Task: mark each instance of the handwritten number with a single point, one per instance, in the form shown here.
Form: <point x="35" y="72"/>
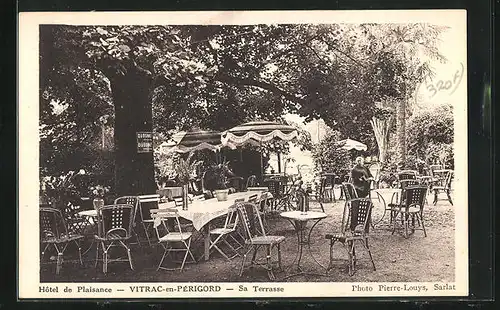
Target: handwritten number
<point x="432" y="89"/>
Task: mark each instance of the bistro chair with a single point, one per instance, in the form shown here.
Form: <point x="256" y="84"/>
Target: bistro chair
<point x="54" y="232"/>
<point x="407" y="175"/>
<point x="228" y="230"/>
<point x="134" y="201"/>
<point x="408" y="182"/>
<point x="433" y="168"/>
<point x="251" y="181"/>
<point x="444" y="188"/>
<point x="411" y="207"/>
<point x="175" y="240"/>
<point x="146" y="203"/>
<point x="114" y="226"/>
<point x="354" y="228"/>
<point x="349" y="191"/>
<point x="256" y="237"/>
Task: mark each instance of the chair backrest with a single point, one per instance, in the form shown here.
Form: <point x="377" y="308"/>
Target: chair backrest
<point x="433" y="168"/>
<point x="275" y="187"/>
<point x="52" y="224"/>
<point x="413" y="196"/>
<point x="239" y="200"/>
<point x="349" y="191"/>
<point x="146" y="203"/>
<point x="357" y="215"/>
<point x="408" y="182"/>
<point x="253" y="198"/>
<point x="407" y="175"/>
<point x="252" y="223"/>
<point x="232" y="217"/>
<point x="115" y="219"/>
<point x="449" y="177"/>
<point x="251" y="181"/>
<point x="159" y="215"/>
<point x="178" y="201"/>
<point x="129" y="200"/>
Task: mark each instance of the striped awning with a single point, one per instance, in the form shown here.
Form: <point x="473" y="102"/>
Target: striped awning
<point x="349" y="144"/>
<point x="260" y="131"/>
<point x="197" y="140"/>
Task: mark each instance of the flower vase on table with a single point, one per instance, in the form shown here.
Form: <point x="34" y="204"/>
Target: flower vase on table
<point x="98" y="202"/>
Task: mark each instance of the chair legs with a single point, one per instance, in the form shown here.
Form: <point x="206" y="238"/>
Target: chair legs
<point x="448" y="196"/>
<point x="269" y="262"/>
<point x="60" y="249"/>
<point x="106" y="257"/>
<point x="168" y="249"/>
<point x="350" y="247"/>
<point x="416" y="218"/>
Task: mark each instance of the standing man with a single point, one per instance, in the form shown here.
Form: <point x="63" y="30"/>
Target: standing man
<point x="361" y="178"/>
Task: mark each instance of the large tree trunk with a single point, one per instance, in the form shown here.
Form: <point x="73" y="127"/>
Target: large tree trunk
<point x="381" y="129"/>
<point x="401" y="131"/>
<point x="134" y="172"/>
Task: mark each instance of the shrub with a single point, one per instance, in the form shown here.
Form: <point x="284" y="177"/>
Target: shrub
<point x="328" y="156"/>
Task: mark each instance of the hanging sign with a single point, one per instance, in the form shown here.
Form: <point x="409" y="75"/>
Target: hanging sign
<point x="144" y="142"/>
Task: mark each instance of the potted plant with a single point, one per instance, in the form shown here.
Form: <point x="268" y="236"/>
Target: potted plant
<point x="186" y="170"/>
<point x="220" y="172"/>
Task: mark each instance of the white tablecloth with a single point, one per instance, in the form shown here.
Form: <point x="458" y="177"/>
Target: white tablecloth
<point x="201" y="212"/>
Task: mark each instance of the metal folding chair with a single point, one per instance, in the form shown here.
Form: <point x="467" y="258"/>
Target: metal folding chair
<point x="146" y="203"/>
<point x="222" y="234"/>
<point x="175" y="239"/>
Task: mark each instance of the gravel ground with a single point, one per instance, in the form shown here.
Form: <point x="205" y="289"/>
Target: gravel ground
<point x="416" y="259"/>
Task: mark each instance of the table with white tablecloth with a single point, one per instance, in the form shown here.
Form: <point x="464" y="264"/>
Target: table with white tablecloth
<point x="201" y="212"/>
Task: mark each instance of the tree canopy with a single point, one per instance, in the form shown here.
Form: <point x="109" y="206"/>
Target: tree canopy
<point x="217" y="77"/>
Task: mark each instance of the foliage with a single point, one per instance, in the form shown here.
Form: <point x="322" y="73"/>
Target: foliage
<point x="186" y="168"/>
<point x="430" y="135"/>
<point x="99" y="190"/>
<point x="220" y="76"/>
<point x="441" y="153"/>
<point x="60" y="190"/>
<point x="328" y="156"/>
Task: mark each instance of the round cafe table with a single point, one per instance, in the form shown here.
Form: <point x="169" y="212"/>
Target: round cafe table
<point x="91" y="216"/>
<point x="385" y="195"/>
<point x="299" y="221"/>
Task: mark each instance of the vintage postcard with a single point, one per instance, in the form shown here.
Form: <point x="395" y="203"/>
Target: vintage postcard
<point x="268" y="154"/>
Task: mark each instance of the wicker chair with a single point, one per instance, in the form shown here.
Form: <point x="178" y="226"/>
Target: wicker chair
<point x="174" y="239"/>
<point x="355" y="228"/>
<point x="134" y="201"/>
<point x="444" y="188"/>
<point x="114" y="224"/>
<point x="256" y="237"/>
<point x="411" y="207"/>
<point x="54" y="232"/>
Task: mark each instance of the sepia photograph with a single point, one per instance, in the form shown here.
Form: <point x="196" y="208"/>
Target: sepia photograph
<point x="243" y="154"/>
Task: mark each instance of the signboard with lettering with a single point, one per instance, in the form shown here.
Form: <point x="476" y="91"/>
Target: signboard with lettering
<point x="144" y="142"/>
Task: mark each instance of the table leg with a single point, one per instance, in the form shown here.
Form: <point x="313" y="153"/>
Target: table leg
<point x="206" y="232"/>
<point x="302" y="239"/>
